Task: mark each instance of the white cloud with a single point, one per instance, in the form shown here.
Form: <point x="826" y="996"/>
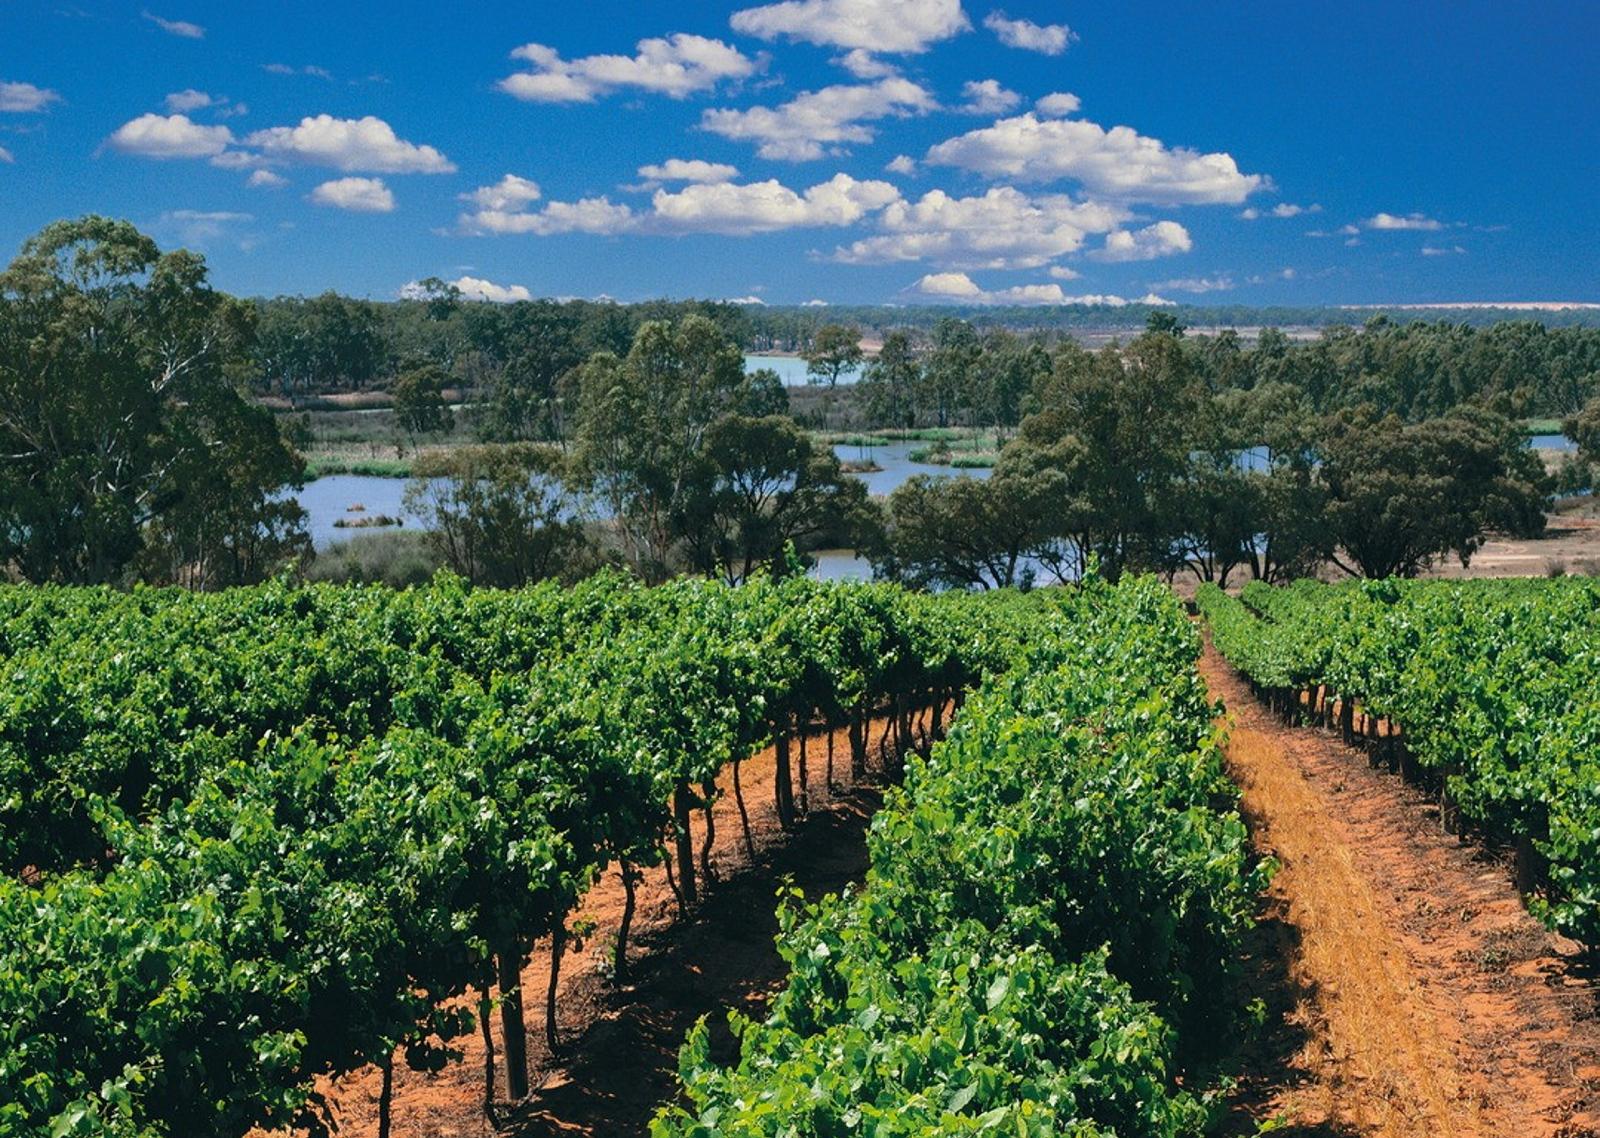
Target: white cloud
<point x="1407" y="221"/>
<point x="1119" y="163"/>
<point x="960" y="287"/>
<point x="797" y="130"/>
<point x="181" y="102"/>
<point x="1349" y="230"/>
<point x="366" y="144"/>
<point x="474" y="288"/>
<point x="1003" y="228"/>
<point x="748" y="300"/>
<point x="308" y="69"/>
<point x="901" y="164"/>
<point x="864" y="65"/>
<point x="814" y="303"/>
<point x="678" y="66"/>
<point x="597" y="216"/>
<point x="722" y="207"/>
<point x="6" y="156"/>
<point x="1221" y="283"/>
<point x="266" y="180"/>
<point x="201" y="227"/>
<point x="1062" y="273"/>
<point x="181" y="28"/>
<point x="25" y="97"/>
<point x="1048" y="39"/>
<point x="1282" y="209"/>
<point x="688" y="170"/>
<point x="1163" y="239"/>
<point x="896" y="26"/>
<point x="1058" y="105"/>
<point x="987" y="97"/>
<point x="169" y="136"/>
<point x="1438" y="251"/>
<point x="510" y="193"/>
<point x="363" y="195"/>
<point x="762" y="207"/>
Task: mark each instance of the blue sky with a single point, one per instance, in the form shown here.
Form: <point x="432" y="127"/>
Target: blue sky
<point x="860" y="151"/>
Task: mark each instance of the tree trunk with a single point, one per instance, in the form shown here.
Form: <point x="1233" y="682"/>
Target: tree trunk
<point x="485" y="1010"/>
<point x="709" y="790"/>
<point x="386" y="1097"/>
<point x="558" y="945"/>
<point x="630" y="882"/>
<point x="805" y="776"/>
<point x="783" y="787"/>
<point x="858" y="745"/>
<point x="744" y="815"/>
<point x="672" y="883"/>
<point x="685" y="842"/>
<point x="509" y="959"/>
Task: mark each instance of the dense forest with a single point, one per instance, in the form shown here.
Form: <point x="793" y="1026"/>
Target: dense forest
<point x="151" y="428"/>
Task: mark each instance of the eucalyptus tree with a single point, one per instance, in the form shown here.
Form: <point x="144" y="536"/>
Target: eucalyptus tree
<point x="125" y="446"/>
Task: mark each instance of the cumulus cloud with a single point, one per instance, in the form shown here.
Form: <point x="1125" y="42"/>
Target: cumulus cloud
<point x="1163" y="239"/>
<point x="721" y="207"/>
<point x="987" y="97"/>
<point x="747" y="300"/>
<point x="1441" y="251"/>
<point x="896" y="26"/>
<point x="473" y="288"/>
<point x="1221" y="283"/>
<point x="367" y="144"/>
<point x="1003" y="228"/>
<point x="688" y="170"/>
<point x="181" y="28"/>
<point x="266" y="180"/>
<point x="1282" y="209"/>
<point x="1405" y="221"/>
<point x="798" y="130"/>
<point x="1063" y="273"/>
<point x="1048" y="39"/>
<point x="510" y="193"/>
<point x="169" y="136"/>
<point x="901" y="164"/>
<point x="1117" y="163"/>
<point x="762" y="207"/>
<point x="1058" y="105"/>
<point x="25" y="97"/>
<point x="864" y="65"/>
<point x="362" y="195"/>
<point x="815" y="303"/>
<point x="962" y="288"/>
<point x="181" y="102"/>
<point x="6" y="156"/>
<point x="677" y="66"/>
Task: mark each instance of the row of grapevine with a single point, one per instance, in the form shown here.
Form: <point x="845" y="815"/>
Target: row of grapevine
<point x="257" y="837"/>
<point x="1046" y="935"/>
<point x="1491" y="684"/>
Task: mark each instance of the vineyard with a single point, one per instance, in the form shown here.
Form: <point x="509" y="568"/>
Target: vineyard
<point x="257" y="838"/>
<point x="1484" y="689"/>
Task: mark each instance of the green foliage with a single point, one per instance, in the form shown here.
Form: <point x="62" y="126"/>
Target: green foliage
<point x="1492" y="682"/>
<point x="1067" y="855"/>
<point x="500" y="514"/>
<point x="128" y="449"/>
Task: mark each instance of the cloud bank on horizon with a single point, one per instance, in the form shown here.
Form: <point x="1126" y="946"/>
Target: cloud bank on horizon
<point x="834" y="138"/>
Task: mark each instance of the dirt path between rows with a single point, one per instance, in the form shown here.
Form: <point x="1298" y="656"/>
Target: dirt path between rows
<point x="1409" y="990"/>
<point x="619" y="1055"/>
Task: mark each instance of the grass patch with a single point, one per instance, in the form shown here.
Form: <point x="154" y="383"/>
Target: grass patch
<point x="322" y="465"/>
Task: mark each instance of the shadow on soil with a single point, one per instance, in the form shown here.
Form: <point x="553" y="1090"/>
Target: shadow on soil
<point x="624" y="1064"/>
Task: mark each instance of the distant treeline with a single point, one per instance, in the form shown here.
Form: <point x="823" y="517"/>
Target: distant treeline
<point x="516" y="357"/>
